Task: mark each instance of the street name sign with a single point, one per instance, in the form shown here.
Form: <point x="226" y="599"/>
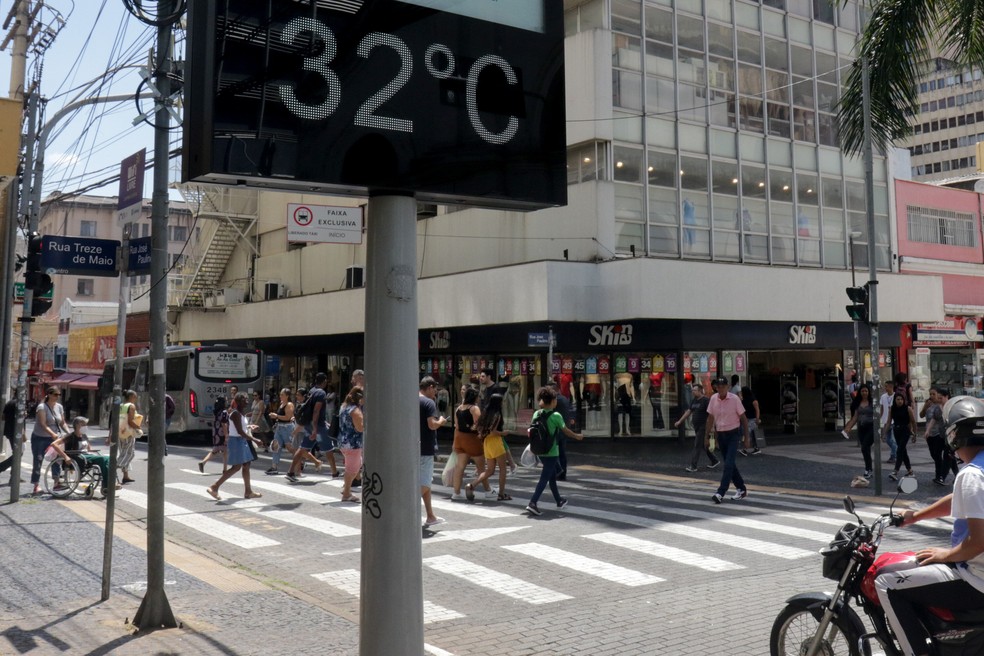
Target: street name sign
<point x="79" y="256"/>
<point x="131" y="188"/>
<point x="138" y="257"/>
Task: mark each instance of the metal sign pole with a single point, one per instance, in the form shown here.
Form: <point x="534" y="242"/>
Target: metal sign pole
<point x="392" y="579"/>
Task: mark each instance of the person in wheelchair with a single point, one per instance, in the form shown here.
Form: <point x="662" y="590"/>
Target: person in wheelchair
<point x="76" y="445"/>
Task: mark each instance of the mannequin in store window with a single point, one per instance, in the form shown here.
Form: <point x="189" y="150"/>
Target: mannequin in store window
<point x="655" y="394"/>
<point x="512" y="402"/>
<point x="591" y="391"/>
<point x="625" y="399"/>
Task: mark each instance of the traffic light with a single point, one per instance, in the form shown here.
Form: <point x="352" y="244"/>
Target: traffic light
<point x="858" y="310"/>
<point x="34" y="278"/>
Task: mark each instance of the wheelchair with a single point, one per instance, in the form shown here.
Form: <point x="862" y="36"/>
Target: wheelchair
<point x="79" y="476"/>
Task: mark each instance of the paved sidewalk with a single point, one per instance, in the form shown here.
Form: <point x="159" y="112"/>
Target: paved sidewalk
<point x="51" y="570"/>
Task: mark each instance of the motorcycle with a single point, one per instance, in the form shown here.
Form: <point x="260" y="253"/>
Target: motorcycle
<point x="825" y="624"/>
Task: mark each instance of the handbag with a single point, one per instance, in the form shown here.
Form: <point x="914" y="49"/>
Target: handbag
<point x="252" y="449"/>
<point x="447" y="475"/>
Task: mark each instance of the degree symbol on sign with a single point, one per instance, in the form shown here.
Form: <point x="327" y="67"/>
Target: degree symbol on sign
<point x="303" y="216"/>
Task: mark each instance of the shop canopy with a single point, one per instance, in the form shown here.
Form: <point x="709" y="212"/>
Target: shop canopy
<point x="85" y="382"/>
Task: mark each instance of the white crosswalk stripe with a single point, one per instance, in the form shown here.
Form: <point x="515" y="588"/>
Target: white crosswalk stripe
<point x="316" y="524"/>
<point x="203" y="523"/>
<point x="349" y="581"/>
<point x="583" y="564"/>
<point x="736" y="541"/>
<point x="667" y="552"/>
<point x="494" y="580"/>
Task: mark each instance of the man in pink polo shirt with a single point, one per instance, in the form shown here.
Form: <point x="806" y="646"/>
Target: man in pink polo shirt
<point x="726" y="418"/>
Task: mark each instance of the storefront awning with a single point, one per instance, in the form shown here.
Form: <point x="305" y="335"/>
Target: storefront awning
<point x="86" y="383"/>
<point x="65" y="378"/>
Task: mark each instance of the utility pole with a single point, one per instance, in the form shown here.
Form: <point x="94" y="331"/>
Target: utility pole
<point x="18" y="53"/>
<point x="869" y="192"/>
<point x="155" y="611"/>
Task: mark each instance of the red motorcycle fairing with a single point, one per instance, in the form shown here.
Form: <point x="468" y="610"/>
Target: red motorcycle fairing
<point x="886" y="562"/>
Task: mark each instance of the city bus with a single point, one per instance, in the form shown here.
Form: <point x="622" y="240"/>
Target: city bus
<point x="194" y="377"/>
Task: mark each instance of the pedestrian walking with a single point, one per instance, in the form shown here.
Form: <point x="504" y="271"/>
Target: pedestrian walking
<point x="130" y="422"/>
<point x="885" y="402"/>
<point x="726" y="419"/>
<point x="547" y="400"/>
<point x="319" y="420"/>
<point x="430" y="421"/>
<point x="751" y="406"/>
<point x="302" y="439"/>
<point x="569" y="417"/>
<point x="902" y="425"/>
<point x="282" y="420"/>
<point x="936" y="441"/>
<point x="220" y="434"/>
<point x="240" y="454"/>
<point x="863" y="416"/>
<point x="257" y="416"/>
<point x="351" y="427"/>
<point x="49" y="423"/>
<point x="490" y="431"/>
<point x="467" y="445"/>
<point x="698" y="418"/>
<point x="9" y="429"/>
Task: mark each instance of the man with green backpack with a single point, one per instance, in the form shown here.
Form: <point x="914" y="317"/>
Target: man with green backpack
<point x="544" y="429"/>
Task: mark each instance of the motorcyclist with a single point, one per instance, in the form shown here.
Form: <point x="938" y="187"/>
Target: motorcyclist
<point x="947" y="577"/>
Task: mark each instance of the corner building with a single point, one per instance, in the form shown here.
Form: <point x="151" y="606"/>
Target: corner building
<point x="708" y="232"/>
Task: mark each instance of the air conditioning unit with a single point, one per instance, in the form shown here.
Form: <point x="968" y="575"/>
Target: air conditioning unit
<point x="354" y="277"/>
<point x="274" y="290"/>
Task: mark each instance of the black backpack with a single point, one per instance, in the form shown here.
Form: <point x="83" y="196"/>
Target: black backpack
<point x="541" y="439"/>
<point x="304" y="414"/>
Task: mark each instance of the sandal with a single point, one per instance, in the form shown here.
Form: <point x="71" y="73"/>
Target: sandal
<point x="253" y="495"/>
<point x="505" y="497"/>
<point x="213" y="493"/>
<point x="352" y="499"/>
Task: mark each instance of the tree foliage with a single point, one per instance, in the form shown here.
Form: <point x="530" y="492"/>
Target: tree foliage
<point x="898" y="37"/>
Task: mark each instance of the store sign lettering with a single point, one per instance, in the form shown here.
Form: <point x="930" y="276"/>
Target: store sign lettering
<point x="440" y="339"/>
<point x="618" y="335"/>
<point x="803" y="334"/>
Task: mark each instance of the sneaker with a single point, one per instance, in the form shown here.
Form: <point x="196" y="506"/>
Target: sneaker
<point x="846" y="435"/>
<point x="690" y="469"/>
<point x="291" y="477"/>
<point x="470" y="492"/>
<point x="201" y="467"/>
<point x="435" y="521"/>
<point x="272" y="471"/>
<point x="457" y="496"/>
<point x="756" y="451"/>
<point x="894" y="476"/>
<point x="562" y="502"/>
<point x="743" y="452"/>
<point x="717" y="498"/>
<point x="492" y="494"/>
<point x="939" y="481"/>
<point x="739" y="495"/>
<point x="891" y="459"/>
<point x="512" y="468"/>
<point x="357" y="483"/>
<point x="714" y="465"/>
<point x="533" y="510"/>
<point x="867" y="473"/>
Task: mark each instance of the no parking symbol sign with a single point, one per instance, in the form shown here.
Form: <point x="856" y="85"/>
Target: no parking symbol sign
<point x="324" y="224"/>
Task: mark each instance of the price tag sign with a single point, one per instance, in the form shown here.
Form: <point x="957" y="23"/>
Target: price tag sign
<point x="455" y="102"/>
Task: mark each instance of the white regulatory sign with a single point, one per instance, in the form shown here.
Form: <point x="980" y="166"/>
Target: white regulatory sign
<point x="524" y="14"/>
<point x="324" y="224"/>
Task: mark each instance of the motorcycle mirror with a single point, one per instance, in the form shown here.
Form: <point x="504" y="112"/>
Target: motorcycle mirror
<point x="908" y="485"/>
<point x="849" y="505"/>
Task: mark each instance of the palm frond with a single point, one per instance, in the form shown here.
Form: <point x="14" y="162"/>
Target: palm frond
<point x="964" y="35"/>
<point x="895" y="40"/>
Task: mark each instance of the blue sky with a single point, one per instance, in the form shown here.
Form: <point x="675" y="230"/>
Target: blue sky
<point x="88" y="145"/>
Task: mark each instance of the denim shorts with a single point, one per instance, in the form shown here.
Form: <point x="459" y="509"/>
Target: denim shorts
<point x="426" y="471"/>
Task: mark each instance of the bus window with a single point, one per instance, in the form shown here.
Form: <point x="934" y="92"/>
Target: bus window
<point x="129" y="375"/>
<point x="175" y="373"/>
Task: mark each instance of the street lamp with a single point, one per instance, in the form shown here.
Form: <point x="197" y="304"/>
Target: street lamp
<point x="857" y="340"/>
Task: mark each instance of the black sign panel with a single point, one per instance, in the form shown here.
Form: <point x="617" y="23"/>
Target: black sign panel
<point x="79" y="256"/>
<point x="457" y="102"/>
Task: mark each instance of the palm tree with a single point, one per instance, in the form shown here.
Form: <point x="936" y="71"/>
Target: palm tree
<point x="898" y="36"/>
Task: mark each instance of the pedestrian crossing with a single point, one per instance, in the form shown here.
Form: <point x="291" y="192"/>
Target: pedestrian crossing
<point x="617" y="535"/>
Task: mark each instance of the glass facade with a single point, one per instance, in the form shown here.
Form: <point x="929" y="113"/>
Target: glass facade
<point x="725" y="144"/>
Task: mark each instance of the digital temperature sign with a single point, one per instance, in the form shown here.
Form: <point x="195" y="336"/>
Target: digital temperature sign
<point x="457" y="102"/>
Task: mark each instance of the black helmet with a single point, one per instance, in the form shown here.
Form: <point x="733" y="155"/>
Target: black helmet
<point x="963" y="417"/>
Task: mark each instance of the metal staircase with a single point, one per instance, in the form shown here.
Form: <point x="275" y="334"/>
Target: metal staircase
<point x="226" y="218"/>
